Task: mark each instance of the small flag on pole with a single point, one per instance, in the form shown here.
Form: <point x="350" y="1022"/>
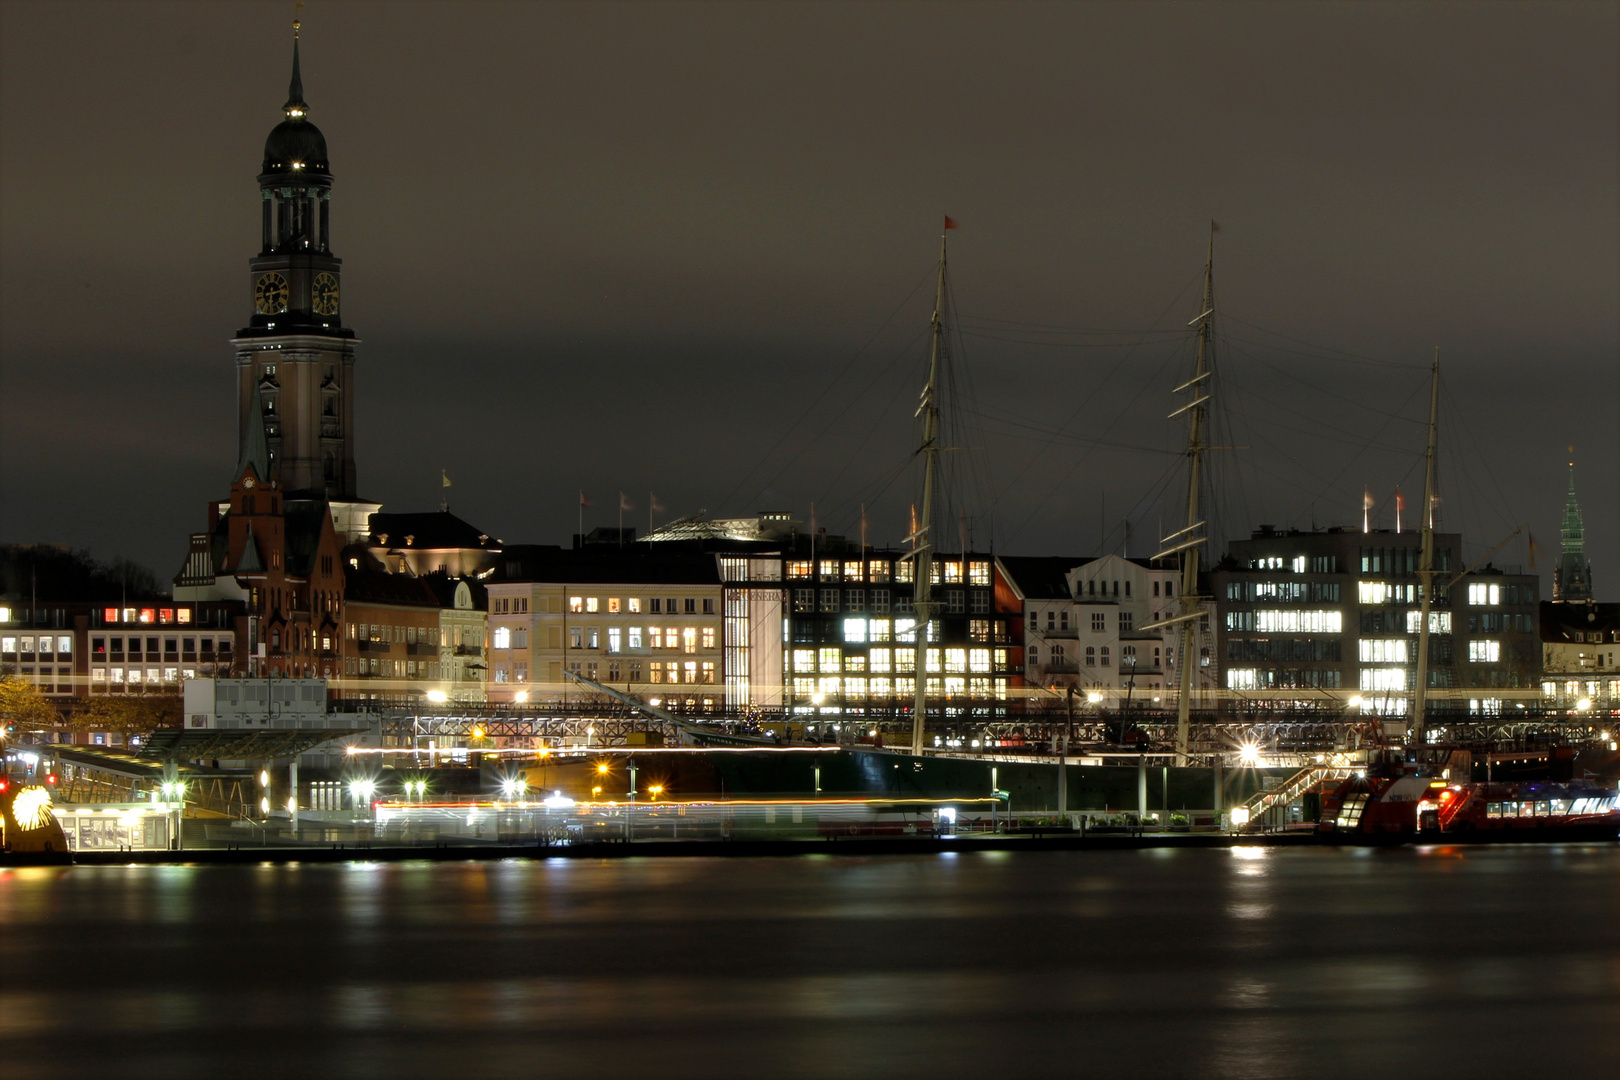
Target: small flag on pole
<point x="444" y="477"/>
<point x="625" y="503"/>
<point x="1535" y="554"/>
<point x="950" y="223"/>
<point x="583" y="501"/>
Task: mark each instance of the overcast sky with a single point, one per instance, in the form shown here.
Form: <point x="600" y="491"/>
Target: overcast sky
<point x="687" y="249"/>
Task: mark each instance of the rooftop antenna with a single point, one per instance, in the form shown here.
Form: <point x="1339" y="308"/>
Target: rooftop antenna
<point x="922" y="538"/>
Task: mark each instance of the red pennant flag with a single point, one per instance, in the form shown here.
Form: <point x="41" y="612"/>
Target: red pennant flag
<point x="950" y="222"/>
<point x="583" y="501"/>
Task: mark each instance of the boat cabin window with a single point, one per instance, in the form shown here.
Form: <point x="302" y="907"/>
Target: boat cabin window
<point x="1493" y="809"/>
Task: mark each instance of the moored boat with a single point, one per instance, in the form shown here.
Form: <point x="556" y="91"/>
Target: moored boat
<point x="1417" y="807"/>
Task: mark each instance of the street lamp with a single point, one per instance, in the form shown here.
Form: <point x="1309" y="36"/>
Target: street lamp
<point x="438" y="697"/>
<point x="521" y="697"/>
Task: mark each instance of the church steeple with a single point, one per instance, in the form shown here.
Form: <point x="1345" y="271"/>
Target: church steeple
<point x="295" y="357"/>
<point x="1572" y="581"/>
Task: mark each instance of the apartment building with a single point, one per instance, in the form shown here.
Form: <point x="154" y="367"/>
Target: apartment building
<point x="645" y="617"/>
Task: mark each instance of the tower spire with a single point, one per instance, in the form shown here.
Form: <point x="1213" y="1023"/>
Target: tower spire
<point x="295" y="106"/>
<point x="1573" y="579"/>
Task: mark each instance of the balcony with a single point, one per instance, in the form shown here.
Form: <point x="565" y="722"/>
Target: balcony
<point x="421" y="648"/>
<point x="375" y="646"/>
<point x="469" y="650"/>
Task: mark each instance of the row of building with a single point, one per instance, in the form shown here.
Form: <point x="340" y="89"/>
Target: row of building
<point x="294" y="575"/>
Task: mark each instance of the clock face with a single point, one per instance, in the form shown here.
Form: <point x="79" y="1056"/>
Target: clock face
<point x="325" y="294"/>
<point x="270" y="294"/>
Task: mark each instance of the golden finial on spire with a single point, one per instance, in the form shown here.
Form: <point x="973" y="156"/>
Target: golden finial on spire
<point x="296" y="24"/>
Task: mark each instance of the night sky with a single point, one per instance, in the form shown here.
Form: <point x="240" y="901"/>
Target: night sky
<point x="688" y="249"/>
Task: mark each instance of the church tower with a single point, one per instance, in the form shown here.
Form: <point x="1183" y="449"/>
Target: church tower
<point x="1572" y="581"/>
<point x="295" y="358"/>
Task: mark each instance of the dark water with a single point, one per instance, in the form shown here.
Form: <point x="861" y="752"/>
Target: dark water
<point x="1501" y="962"/>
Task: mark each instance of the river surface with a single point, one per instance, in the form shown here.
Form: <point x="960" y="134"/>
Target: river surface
<point x="1250" y="963"/>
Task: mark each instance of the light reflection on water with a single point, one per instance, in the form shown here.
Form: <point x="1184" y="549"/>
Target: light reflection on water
<point x="1253" y="962"/>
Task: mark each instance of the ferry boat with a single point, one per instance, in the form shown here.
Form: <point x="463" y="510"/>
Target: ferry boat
<point x="1417" y="807"/>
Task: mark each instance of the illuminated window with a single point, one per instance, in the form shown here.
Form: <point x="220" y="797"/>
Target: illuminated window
<point x="1484" y="652"/>
<point x="799" y="568"/>
<point x="708" y="671"/>
<point x="854" y="663"/>
<point x="803" y="688"/>
<point x="878" y="630"/>
<point x="1372" y="592"/>
<point x="880" y="660"/>
<point x="503" y="637"/>
<point x="855" y="687"/>
<point x="853" y="570"/>
<point x="1383" y="679"/>
<point x="1483" y="595"/>
<point x="955" y="686"/>
<point x="1383" y="650"/>
<point x="592" y="604"/>
<point x="613" y="604"/>
<point x="1242" y="679"/>
<point x="615" y="640"/>
<point x="905" y="660"/>
<point x="576" y="637"/>
<point x="978" y="572"/>
<point x="708" y="637"/>
<point x="1299" y="622"/>
<point x="978" y="629"/>
<point x="877" y="570"/>
<point x="955" y="660"/>
<point x="979" y="660"/>
<point x="689" y="640"/>
<point x="576" y="604"/>
<point x="933" y="661"/>
<point x="953" y="572"/>
<point x="804" y="659"/>
<point x="1439" y="622"/>
<point x="831" y="659"/>
<point x="855" y="631"/>
<point x="881" y="688"/>
<point x="1299" y="564"/>
<point x="905" y="629"/>
<point x="634" y="605"/>
<point x="830" y="569"/>
<point x="905" y="571"/>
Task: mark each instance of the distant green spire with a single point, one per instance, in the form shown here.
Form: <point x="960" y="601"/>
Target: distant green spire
<point x="1573" y="579"/>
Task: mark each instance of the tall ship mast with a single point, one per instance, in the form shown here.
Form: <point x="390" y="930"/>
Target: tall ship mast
<point x="1186" y="540"/>
<point x="922" y="552"/>
<point x="1426" y="566"/>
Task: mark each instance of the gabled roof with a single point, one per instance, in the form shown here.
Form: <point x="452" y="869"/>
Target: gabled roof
<point x="304" y="521"/>
<point x="444" y="587"/>
<point x="1042" y="577"/>
<point x="1572" y="622"/>
<point x="251" y="561"/>
<point x="438" y="530"/>
<point x="256" y="447"/>
<point x="378" y="587"/>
